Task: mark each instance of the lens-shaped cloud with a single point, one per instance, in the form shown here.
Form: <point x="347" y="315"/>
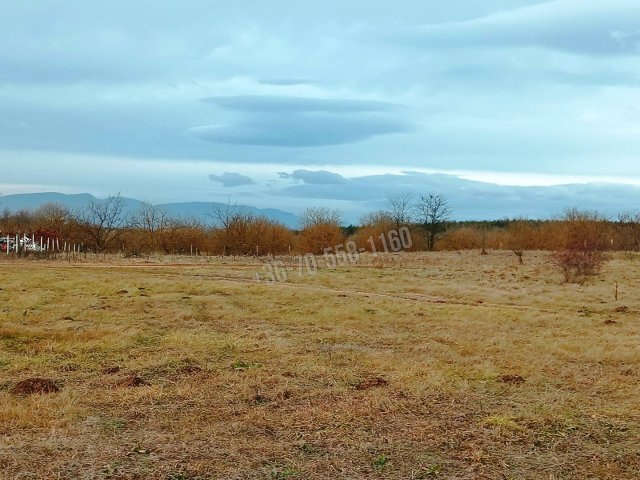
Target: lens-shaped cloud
<point x="285" y="81"/>
<point x="300" y="130"/>
<point x="273" y="103"/>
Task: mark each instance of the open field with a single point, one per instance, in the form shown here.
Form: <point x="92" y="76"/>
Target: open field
<point x="455" y="366"/>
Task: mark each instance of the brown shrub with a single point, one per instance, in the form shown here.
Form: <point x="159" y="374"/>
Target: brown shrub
<point x="320" y="230"/>
<point x="462" y="238"/>
<point x="583" y="240"/>
<point x="578" y="264"/>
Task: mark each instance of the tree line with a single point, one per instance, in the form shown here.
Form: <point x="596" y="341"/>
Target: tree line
<point x="105" y="226"/>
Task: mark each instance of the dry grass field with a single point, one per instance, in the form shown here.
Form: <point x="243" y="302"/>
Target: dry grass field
<point x="453" y="366"/>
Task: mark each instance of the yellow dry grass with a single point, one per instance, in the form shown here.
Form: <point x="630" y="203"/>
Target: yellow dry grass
<point x="247" y="380"/>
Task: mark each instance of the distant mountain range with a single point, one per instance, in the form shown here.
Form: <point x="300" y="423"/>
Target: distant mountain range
<point x="198" y="210"/>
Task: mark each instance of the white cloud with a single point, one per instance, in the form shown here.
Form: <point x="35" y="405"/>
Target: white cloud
<point x="589" y="28"/>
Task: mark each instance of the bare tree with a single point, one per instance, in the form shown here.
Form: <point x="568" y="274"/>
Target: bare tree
<point x="518" y="235"/>
<point x="240" y="232"/>
<point x="320" y="230"/>
<point x="378" y="217"/>
<point x="399" y="206"/>
<point x="53" y="217"/>
<point x="627" y="231"/>
<point x="225" y="217"/>
<point x="102" y="222"/>
<point x="152" y="221"/>
<point x="315" y="216"/>
<point x="180" y="234"/>
<point x="5" y="217"/>
<point x="432" y="211"/>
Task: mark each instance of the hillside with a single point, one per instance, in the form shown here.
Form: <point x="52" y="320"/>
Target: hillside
<point x="198" y="210"/>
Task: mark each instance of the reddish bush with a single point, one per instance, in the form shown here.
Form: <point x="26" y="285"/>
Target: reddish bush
<point x="581" y="254"/>
<point x="578" y="264"/>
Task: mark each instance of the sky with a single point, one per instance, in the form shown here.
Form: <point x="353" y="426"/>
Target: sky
<point x="506" y="107"/>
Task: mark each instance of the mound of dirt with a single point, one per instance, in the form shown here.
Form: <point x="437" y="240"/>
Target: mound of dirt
<point x="260" y="399"/>
<point x="111" y="370"/>
<point x="372" y="382"/>
<point x="132" y="381"/>
<point x="32" y="386"/>
<point x="190" y="369"/>
<point x="172" y="370"/>
<point x="514" y="379"/>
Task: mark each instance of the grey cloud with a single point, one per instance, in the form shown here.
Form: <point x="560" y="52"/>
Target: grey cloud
<point x="231" y="179"/>
<point x="475" y="200"/>
<point x="315" y="177"/>
<point x="371" y="188"/>
<point x="287" y="121"/>
<point x="285" y="81"/>
<point x="272" y="104"/>
<point x="301" y="130"/>
<point x="590" y="28"/>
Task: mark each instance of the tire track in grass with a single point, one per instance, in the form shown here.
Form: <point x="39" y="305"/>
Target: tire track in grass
<point x="156" y="269"/>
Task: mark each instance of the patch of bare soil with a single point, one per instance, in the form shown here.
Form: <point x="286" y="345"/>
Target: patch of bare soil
<point x="512" y="379"/>
<point x="132" y="381"/>
<point x="190" y="369"/>
<point x="372" y="382"/>
<point x="111" y="370"/>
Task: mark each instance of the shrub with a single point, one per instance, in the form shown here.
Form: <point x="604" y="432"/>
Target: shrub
<point x="578" y="264"/>
<point x="581" y="255"/>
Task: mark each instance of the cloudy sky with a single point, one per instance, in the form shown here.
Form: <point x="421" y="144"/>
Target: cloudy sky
<point x="508" y="107"/>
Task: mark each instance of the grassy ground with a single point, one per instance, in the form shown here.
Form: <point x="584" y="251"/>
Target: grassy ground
<point x="440" y="366"/>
